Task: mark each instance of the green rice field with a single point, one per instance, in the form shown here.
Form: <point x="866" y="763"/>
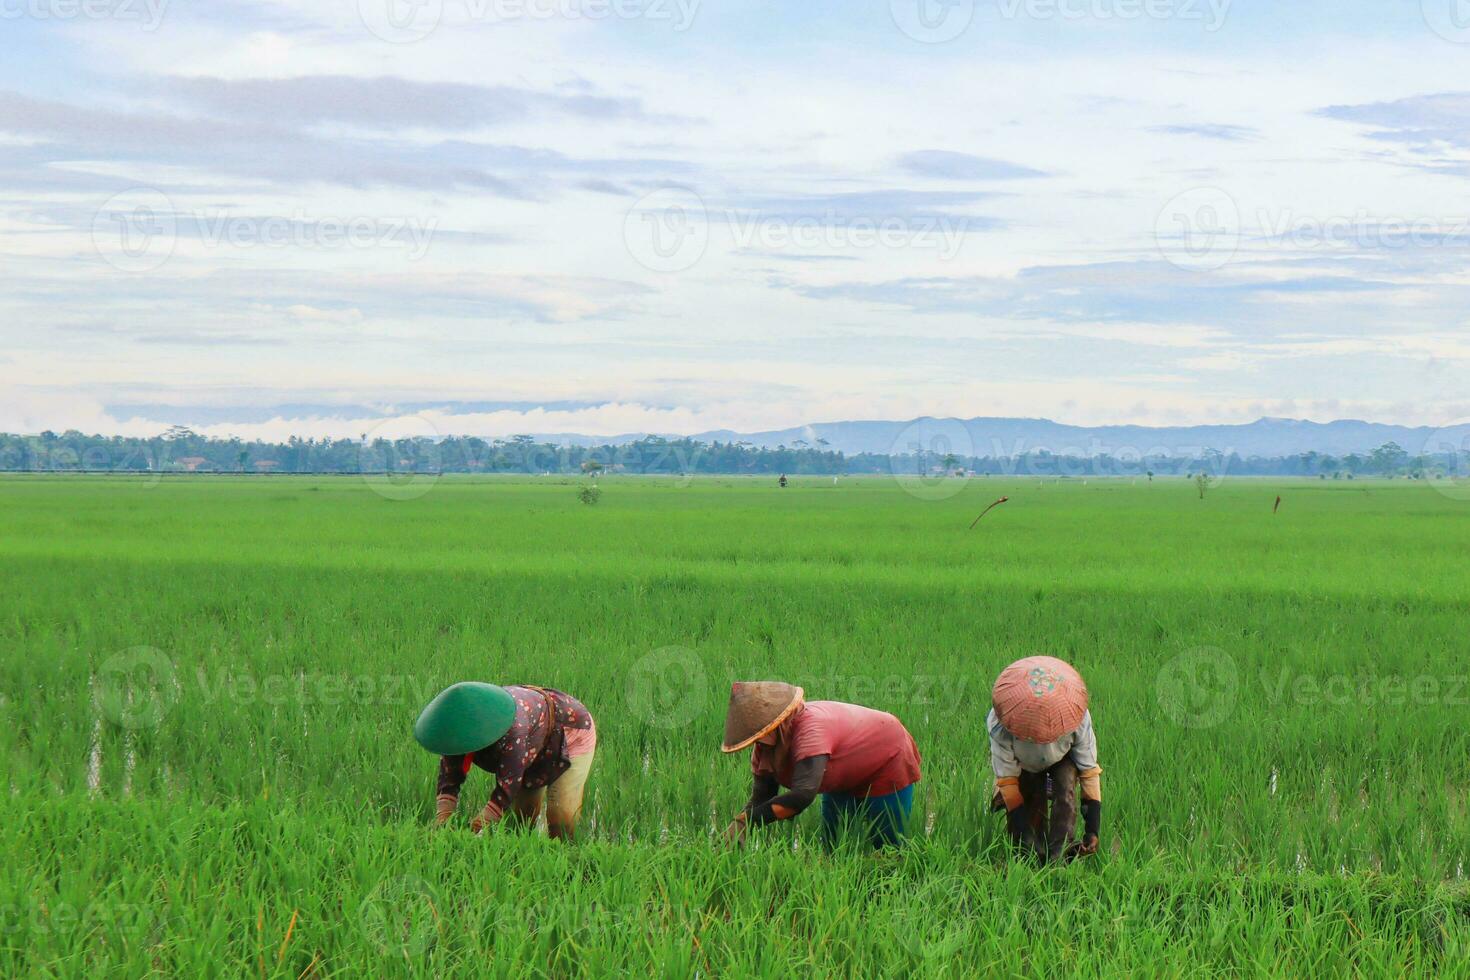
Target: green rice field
<point x="208" y="686"/>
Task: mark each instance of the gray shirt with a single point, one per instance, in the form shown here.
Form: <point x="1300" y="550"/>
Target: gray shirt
<point x="1009" y="754"/>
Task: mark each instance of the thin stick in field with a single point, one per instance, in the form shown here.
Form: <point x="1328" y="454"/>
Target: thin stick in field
<point x="987" y="510"/>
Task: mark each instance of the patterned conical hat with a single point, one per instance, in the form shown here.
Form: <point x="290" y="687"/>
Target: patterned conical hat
<point x="1039" y="699"/>
<point x="756" y="708"/>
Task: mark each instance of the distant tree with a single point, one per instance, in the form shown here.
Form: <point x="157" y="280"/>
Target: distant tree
<point x="1201" y="483"/>
<point x="1388" y="458"/>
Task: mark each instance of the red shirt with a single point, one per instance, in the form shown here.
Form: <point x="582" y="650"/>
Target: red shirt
<point x="869" y="753"/>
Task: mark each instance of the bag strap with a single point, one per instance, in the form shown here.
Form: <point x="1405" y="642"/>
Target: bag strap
<point x="551" y="725"/>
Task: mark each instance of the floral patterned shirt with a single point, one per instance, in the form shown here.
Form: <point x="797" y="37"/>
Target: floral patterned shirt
<point x="531" y="755"/>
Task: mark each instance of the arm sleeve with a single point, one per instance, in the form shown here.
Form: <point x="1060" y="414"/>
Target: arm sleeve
<point x="451" y="775"/>
<point x="1092" y="817"/>
<point x="1084" y="749"/>
<point x="510" y="775"/>
<point x="806" y="779"/>
<point x="1002" y="752"/>
<point x="512" y="757"/>
<point x="763" y="787"/>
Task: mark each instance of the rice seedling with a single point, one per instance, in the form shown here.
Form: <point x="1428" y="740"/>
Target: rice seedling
<point x="208" y="689"/>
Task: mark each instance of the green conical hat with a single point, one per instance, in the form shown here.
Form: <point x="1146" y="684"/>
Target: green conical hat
<point x="465" y="718"/>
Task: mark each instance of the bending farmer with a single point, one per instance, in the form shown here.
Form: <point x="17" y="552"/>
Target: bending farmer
<point x="537" y="743"/>
<point x="863" y="762"/>
<point x="1042" y="745"/>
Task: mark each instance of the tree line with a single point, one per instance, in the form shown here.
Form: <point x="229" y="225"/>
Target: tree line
<point x="180" y="449"/>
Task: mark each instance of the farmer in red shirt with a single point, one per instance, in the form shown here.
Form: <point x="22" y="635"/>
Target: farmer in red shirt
<point x="863" y="762"/>
<point x="536" y="742"/>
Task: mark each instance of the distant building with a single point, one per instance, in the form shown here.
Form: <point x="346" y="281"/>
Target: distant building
<point x="192" y="463"/>
<point x="265" y="465"/>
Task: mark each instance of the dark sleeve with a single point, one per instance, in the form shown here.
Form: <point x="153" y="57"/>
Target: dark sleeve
<point x="451" y="774"/>
<point x="763" y="787"/>
<point x="806" y="779"/>
<point x="1092" y="817"/>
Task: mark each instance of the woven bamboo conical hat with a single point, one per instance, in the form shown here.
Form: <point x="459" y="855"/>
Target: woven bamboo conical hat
<point x="1039" y="699"/>
<point x="756" y="708"/>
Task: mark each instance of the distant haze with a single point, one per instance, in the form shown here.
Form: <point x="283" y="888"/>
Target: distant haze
<point x="993" y="437"/>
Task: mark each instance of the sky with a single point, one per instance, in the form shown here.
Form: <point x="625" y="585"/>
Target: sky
<point x="317" y="217"/>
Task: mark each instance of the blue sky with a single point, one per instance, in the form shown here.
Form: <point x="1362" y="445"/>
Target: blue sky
<point x="300" y="216"/>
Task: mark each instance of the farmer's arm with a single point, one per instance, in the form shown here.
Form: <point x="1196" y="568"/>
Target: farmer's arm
<point x="451" y="778"/>
<point x="510" y="776"/>
<point x="1007" y="777"/>
<point x="762" y="788"/>
<point x="1006" y="766"/>
<point x="1084" y="756"/>
<point x="806" y="779"/>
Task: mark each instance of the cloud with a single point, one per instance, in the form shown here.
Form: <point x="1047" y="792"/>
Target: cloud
<point x="386" y="103"/>
<point x="949" y="165"/>
<point x="915" y="208"/>
<point x="283" y="153"/>
<point x="296" y="295"/>
<point x="1419" y="120"/>
<point x="1213" y="131"/>
<point x="1146" y="291"/>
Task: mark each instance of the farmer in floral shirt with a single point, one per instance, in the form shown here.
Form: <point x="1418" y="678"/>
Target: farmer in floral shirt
<point x="536" y="742"/>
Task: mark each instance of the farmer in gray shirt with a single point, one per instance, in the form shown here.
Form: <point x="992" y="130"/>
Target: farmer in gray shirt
<point x="1040" y="728"/>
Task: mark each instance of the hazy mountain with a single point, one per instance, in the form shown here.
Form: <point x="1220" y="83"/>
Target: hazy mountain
<point x="1000" y="437"/>
<point x="994" y="437"/>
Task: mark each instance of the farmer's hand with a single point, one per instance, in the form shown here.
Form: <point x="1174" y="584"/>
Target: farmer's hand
<point x="1088" y="845"/>
<point x="444" y="807"/>
<point x="484" y="818"/>
<point x="997" y="802"/>
<point x="735" y="833"/>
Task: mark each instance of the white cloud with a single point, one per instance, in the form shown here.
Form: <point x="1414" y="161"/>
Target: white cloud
<point x="526" y="142"/>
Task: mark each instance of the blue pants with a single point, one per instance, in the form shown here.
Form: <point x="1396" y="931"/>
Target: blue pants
<point x="885" y="818"/>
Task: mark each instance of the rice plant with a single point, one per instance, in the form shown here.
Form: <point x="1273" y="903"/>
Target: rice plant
<point x="208" y="688"/>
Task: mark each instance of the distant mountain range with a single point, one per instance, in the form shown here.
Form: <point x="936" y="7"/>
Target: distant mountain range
<point x="1008" y="437"/>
